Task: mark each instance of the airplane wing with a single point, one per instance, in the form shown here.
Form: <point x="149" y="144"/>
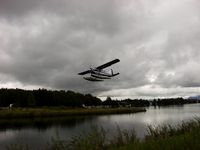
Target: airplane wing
<point x="84" y="72"/>
<point x="108" y="64"/>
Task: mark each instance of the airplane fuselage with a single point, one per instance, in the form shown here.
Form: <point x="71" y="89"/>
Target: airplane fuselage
<point x="101" y="73"/>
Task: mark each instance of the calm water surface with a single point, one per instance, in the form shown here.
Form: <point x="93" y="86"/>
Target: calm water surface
<point x="37" y="136"/>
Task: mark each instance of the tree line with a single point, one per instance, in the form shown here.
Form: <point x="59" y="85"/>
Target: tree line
<point x="172" y="101"/>
<point x="44" y="97"/>
<point x="147" y="103"/>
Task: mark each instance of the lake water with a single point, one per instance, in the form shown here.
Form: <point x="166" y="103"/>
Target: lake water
<point x="39" y="134"/>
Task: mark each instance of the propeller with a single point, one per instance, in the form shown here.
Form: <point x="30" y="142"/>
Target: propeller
<point x="91" y="69"/>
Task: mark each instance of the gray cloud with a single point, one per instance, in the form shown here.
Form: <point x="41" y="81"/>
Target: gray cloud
<point x="46" y="43"/>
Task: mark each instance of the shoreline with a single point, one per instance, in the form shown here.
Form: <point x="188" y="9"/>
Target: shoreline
<point x="15" y="113"/>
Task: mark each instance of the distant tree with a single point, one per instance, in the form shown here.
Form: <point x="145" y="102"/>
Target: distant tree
<point x="110" y="102"/>
<point x="108" y="98"/>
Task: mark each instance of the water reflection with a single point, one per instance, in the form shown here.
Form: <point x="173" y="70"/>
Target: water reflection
<point x="37" y="133"/>
<point x="42" y="123"/>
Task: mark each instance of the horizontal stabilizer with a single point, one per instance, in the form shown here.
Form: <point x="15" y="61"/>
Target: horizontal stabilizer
<point x="115" y="74"/>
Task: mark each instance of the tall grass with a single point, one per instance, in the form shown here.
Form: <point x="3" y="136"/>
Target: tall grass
<point x="170" y="130"/>
<point x="17" y="147"/>
<point x="184" y="136"/>
<point x="96" y="139"/>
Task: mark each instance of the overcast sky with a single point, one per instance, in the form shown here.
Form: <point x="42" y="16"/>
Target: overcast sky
<point x="45" y="43"/>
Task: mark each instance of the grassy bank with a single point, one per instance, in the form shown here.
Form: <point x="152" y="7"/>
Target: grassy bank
<point x="184" y="136"/>
<point x="62" y="112"/>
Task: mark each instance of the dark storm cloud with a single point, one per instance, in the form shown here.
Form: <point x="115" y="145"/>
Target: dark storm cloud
<point x="48" y="41"/>
<point x="45" y="43"/>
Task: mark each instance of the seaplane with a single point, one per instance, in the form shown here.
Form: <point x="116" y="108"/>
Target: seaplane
<point x="98" y="74"/>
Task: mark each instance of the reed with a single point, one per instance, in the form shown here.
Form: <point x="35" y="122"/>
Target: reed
<point x="96" y="139"/>
<point x="184" y="136"/>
